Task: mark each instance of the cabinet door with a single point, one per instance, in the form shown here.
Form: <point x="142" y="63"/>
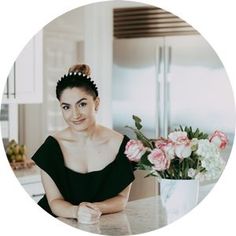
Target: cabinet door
<point x="35" y="190"/>
<point x="25" y="83"/>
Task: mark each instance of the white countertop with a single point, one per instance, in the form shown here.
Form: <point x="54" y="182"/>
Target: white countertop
<point x="140" y="216"/>
<point x="31" y="174"/>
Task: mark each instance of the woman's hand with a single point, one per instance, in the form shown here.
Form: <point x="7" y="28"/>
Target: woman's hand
<point x="88" y="213"/>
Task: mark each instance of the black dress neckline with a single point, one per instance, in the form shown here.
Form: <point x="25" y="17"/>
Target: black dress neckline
<point x="76" y="187"/>
<point x="121" y="147"/>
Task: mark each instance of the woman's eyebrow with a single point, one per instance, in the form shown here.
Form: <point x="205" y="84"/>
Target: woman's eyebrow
<point x="82" y="99"/>
<point x="67" y="104"/>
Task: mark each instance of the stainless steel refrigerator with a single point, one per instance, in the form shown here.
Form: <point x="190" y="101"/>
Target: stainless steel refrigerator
<point x="167" y="82"/>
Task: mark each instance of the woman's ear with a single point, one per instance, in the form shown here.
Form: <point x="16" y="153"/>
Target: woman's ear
<point x="97" y="102"/>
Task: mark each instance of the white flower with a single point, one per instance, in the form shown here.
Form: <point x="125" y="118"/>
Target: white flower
<point x="191" y="173"/>
<point x="207" y="149"/>
<point x="210" y="159"/>
<point x="183" y="150"/>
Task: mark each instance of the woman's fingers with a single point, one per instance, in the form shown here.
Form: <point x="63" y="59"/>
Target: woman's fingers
<point x="88" y="213"/>
<point x="92" y="207"/>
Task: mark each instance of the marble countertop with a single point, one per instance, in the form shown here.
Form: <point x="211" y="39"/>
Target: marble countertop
<point x="140" y="216"/>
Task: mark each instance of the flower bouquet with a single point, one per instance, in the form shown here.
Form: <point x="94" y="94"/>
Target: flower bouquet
<point x="185" y="154"/>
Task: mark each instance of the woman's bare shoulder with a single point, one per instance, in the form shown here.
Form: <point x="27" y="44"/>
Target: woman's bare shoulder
<point x="113" y="136"/>
<point x="61" y="135"/>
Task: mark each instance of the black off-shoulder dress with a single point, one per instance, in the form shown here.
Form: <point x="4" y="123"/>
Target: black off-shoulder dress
<point x="78" y="187"/>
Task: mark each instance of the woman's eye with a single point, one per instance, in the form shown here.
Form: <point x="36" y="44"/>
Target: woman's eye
<point x="65" y="107"/>
<point x="82" y="104"/>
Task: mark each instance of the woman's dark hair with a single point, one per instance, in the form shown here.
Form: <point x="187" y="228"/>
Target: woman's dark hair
<point x="78" y="77"/>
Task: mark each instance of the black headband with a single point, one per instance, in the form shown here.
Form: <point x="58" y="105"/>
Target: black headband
<point x="83" y="77"/>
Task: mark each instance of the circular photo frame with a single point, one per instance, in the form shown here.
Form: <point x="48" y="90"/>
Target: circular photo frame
<point x="116" y="110"/>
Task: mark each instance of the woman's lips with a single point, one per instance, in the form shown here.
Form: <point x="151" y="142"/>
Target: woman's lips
<point x="78" y="122"/>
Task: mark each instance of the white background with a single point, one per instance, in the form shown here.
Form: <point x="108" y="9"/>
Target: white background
<point x="20" y="20"/>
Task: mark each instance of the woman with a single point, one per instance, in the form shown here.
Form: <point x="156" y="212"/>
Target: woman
<point x="83" y="167"/>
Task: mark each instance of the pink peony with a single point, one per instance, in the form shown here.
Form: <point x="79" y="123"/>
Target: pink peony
<point x="179" y="137"/>
<point x="159" y="159"/>
<point x="134" y="150"/>
<point x="161" y="142"/>
<point x="182" y="144"/>
<point x="219" y="138"/>
<point x="167" y="146"/>
<point x="183" y="150"/>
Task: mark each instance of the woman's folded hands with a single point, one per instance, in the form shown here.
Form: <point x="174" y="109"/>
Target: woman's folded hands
<point x="88" y="213"/>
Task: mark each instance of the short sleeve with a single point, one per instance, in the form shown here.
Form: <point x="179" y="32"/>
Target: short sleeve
<point x="117" y="178"/>
<point x="45" y="157"/>
<point x="49" y="159"/>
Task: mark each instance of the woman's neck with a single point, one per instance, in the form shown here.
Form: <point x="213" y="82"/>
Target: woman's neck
<point x="88" y="134"/>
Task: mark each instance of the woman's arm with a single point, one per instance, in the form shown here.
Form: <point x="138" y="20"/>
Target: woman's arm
<point x="58" y="205"/>
<point x="115" y="204"/>
<point x="84" y="213"/>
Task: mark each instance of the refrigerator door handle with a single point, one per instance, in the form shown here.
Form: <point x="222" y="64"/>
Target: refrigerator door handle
<point x="158" y="112"/>
<point x="169" y="59"/>
<point x="14" y="81"/>
<point x="159" y="58"/>
<point x="7" y="88"/>
<point x="160" y="52"/>
<point x="168" y="106"/>
<point x="168" y="83"/>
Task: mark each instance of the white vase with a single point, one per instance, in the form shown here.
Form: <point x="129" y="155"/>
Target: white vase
<point x="178" y="197"/>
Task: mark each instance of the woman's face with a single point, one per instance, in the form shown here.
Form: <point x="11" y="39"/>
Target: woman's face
<point x="78" y="108"/>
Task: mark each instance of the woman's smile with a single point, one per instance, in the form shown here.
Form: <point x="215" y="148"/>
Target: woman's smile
<point x="78" y="122"/>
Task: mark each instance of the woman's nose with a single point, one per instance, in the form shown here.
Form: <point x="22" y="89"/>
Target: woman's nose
<point x="76" y="113"/>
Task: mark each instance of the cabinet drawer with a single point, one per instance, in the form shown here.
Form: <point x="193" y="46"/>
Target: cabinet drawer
<point x="35" y="190"/>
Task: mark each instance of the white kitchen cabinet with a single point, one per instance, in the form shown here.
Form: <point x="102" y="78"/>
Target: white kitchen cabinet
<point x="30" y="180"/>
<point x="34" y="189"/>
<point x="25" y="81"/>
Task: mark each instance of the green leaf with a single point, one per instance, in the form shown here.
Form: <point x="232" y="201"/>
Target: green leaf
<point x="136" y="118"/>
<point x="196" y="133"/>
<point x="200" y="135"/>
<point x="154" y="173"/>
<point x="140" y="136"/>
<point x="144" y="160"/>
<point x="205" y="136"/>
<point x="138" y="125"/>
<point x="141" y="166"/>
<point x="137" y="122"/>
